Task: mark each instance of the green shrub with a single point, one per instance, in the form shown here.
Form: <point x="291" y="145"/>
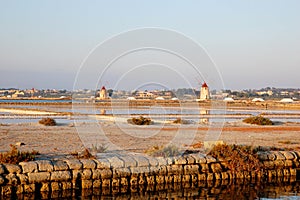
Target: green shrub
<point x="161" y="151"/>
<point x="48" y="121"/>
<point x="99" y="148"/>
<point x="15" y="156"/>
<point x="140" y="121"/>
<point x="258" y="120"/>
<point x="239" y="157"/>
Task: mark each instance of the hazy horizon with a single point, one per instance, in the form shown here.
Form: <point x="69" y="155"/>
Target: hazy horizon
<point x="255" y="44"/>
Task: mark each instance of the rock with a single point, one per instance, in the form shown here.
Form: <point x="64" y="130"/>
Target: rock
<point x="38" y="177"/>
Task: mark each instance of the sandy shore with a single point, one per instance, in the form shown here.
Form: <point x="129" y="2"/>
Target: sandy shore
<point x="63" y="139"/>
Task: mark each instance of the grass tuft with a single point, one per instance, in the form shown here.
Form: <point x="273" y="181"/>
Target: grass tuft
<point x="48" y="121"/>
<point x="258" y="120"/>
<point x="15" y="156"/>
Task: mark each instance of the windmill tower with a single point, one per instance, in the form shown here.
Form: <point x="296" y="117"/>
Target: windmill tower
<point x="103" y="93"/>
<point x="204" y="93"/>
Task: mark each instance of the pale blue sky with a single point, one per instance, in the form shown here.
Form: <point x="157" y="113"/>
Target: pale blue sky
<point x="254" y="43"/>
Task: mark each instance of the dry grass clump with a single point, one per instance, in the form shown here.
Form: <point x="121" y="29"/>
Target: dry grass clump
<point x="85" y="154"/>
<point x="181" y="121"/>
<point x="48" y="121"/>
<point x="161" y="151"/>
<point x="258" y="120"/>
<point x="15" y="156"/>
<point x="240" y="157"/>
<point x="140" y="121"/>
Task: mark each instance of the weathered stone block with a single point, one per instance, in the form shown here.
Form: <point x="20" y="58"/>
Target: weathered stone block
<point x="55" y="186"/>
<point x="106" y="173"/>
<point x="169" y="179"/>
<point x="204" y="168"/>
<point x="199" y="158"/>
<point x="279" y="156"/>
<point x="202" y="177"/>
<point x="2" y="180"/>
<point x="96" y="174"/>
<point x="122" y="172"/>
<point x="279" y="163"/>
<point x="210" y="159"/>
<point x="271" y="156"/>
<point x="6" y="190"/>
<point x="134" y="180"/>
<point x="38" y="177"/>
<point x="124" y="181"/>
<point x="2" y="169"/>
<point x="115" y="162"/>
<point x="216" y="167"/>
<point x="66" y="185"/>
<point x="139" y="170"/>
<point x="180" y="160"/>
<point x="224" y="175"/>
<point x="288" y="155"/>
<point x="76" y="174"/>
<point x="74" y="164"/>
<point x="160" y="179"/>
<point x="186" y="178"/>
<point x="218" y="176"/>
<point x="191" y="169"/>
<point x="22" y="177"/>
<point x="162" y="170"/>
<point x="293" y="172"/>
<point x="44" y="165"/>
<point x="288" y="163"/>
<point x="150" y="180"/>
<point x="102" y="163"/>
<point x="11" y="168"/>
<point x="142" y="161"/>
<point x="60" y="176"/>
<point x="177" y="178"/>
<point x="115" y="182"/>
<point x="268" y="164"/>
<point x="190" y="159"/>
<point x="88" y="164"/>
<point x="87" y="184"/>
<point x="161" y="161"/>
<point x="129" y="161"/>
<point x="86" y="174"/>
<point x="263" y="156"/>
<point x="12" y="179"/>
<point x="29" y="188"/>
<point x="60" y="165"/>
<point x="19" y="189"/>
<point x="142" y="180"/>
<point x="152" y="161"/>
<point x="209" y="176"/>
<point x="29" y="167"/>
<point x="97" y="183"/>
<point x="45" y="187"/>
<point x="106" y="183"/>
<point x="174" y="169"/>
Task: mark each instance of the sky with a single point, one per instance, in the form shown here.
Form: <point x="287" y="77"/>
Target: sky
<point x="253" y="43"/>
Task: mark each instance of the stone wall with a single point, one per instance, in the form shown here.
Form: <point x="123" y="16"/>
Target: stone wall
<point x="123" y="173"/>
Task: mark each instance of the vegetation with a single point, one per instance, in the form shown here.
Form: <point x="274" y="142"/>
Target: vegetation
<point x="258" y="120"/>
<point x="160" y="151"/>
<point x="84" y="154"/>
<point x="98" y="148"/>
<point x="181" y="121"/>
<point x="48" y="121"/>
<point x="140" y="121"/>
<point x="15" y="156"/>
<point x="240" y="157"/>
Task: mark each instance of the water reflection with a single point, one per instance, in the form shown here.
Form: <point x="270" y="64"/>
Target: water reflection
<point x="203" y="112"/>
<point x="226" y="190"/>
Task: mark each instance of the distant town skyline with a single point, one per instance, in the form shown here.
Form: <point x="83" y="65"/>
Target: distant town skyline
<point x="255" y="44"/>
